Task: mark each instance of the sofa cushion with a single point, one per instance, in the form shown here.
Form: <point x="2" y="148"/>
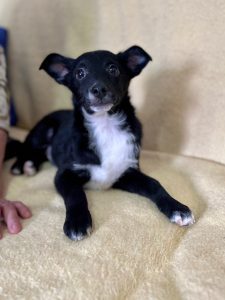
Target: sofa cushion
<point x="179" y="97"/>
<point x="133" y="253"/>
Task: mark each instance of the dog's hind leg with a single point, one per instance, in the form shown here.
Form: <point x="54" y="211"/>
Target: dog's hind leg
<point x="34" y="151"/>
<point x="28" y="159"/>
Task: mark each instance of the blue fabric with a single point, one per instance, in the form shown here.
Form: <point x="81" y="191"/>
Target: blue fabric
<point x="3" y="38"/>
<point x="3" y="43"/>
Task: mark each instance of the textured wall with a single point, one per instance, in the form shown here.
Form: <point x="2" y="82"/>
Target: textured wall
<point x="179" y="97"/>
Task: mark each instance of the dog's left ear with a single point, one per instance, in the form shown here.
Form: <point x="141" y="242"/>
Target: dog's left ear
<point x="135" y="59"/>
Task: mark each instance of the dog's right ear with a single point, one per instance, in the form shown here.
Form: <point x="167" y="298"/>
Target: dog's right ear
<point x="57" y="66"/>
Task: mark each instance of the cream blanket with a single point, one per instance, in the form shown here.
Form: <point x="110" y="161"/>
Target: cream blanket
<point x="134" y="252"/>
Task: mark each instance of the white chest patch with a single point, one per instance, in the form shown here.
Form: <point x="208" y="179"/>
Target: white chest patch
<point x="116" y="148"/>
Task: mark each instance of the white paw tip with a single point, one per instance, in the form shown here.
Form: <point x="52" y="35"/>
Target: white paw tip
<point x="16" y="171"/>
<point x="182" y="219"/>
<point x="78" y="236"/>
<point x="29" y="168"/>
<point x="89" y="231"/>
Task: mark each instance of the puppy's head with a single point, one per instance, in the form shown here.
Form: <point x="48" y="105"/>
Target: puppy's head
<point x="99" y="80"/>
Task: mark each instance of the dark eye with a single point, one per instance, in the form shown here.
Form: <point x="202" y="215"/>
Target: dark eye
<point x="80" y="73"/>
<point x="113" y="70"/>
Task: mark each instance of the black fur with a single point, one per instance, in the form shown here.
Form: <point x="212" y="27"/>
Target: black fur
<point x="97" y="80"/>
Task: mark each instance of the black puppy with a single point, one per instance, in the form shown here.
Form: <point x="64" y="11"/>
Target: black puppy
<point x="97" y="145"/>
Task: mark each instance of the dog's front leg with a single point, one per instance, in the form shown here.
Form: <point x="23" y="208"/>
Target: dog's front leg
<point x="136" y="182"/>
<point x="78" y="221"/>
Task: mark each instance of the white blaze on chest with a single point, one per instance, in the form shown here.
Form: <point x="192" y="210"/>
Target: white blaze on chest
<point x="115" y="146"/>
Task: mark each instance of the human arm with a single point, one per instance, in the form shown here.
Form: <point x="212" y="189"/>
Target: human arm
<point x="10" y="211"/>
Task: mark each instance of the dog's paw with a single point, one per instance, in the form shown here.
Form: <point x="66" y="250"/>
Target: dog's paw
<point x="78" y="227"/>
<point x="182" y="218"/>
<point x="181" y="214"/>
<point x="17" y="168"/>
<point x="29" y="168"/>
<point x="20" y="167"/>
<point x="177" y="212"/>
<point x="16" y="171"/>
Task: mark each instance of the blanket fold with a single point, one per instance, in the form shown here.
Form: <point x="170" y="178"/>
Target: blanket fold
<point x="133" y="253"/>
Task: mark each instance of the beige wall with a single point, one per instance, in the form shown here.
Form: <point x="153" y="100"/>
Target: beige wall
<point x="180" y="97"/>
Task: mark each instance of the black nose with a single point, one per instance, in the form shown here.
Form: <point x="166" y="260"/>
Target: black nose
<point x="98" y="90"/>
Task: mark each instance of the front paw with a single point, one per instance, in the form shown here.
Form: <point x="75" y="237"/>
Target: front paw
<point x="177" y="212"/>
<point x="78" y="226"/>
<point x="182" y="218"/>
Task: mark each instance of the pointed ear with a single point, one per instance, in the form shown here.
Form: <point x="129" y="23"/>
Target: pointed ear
<point x="135" y="59"/>
<point x="57" y="66"/>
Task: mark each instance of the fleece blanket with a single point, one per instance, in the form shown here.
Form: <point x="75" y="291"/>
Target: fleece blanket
<point x="133" y="253"/>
